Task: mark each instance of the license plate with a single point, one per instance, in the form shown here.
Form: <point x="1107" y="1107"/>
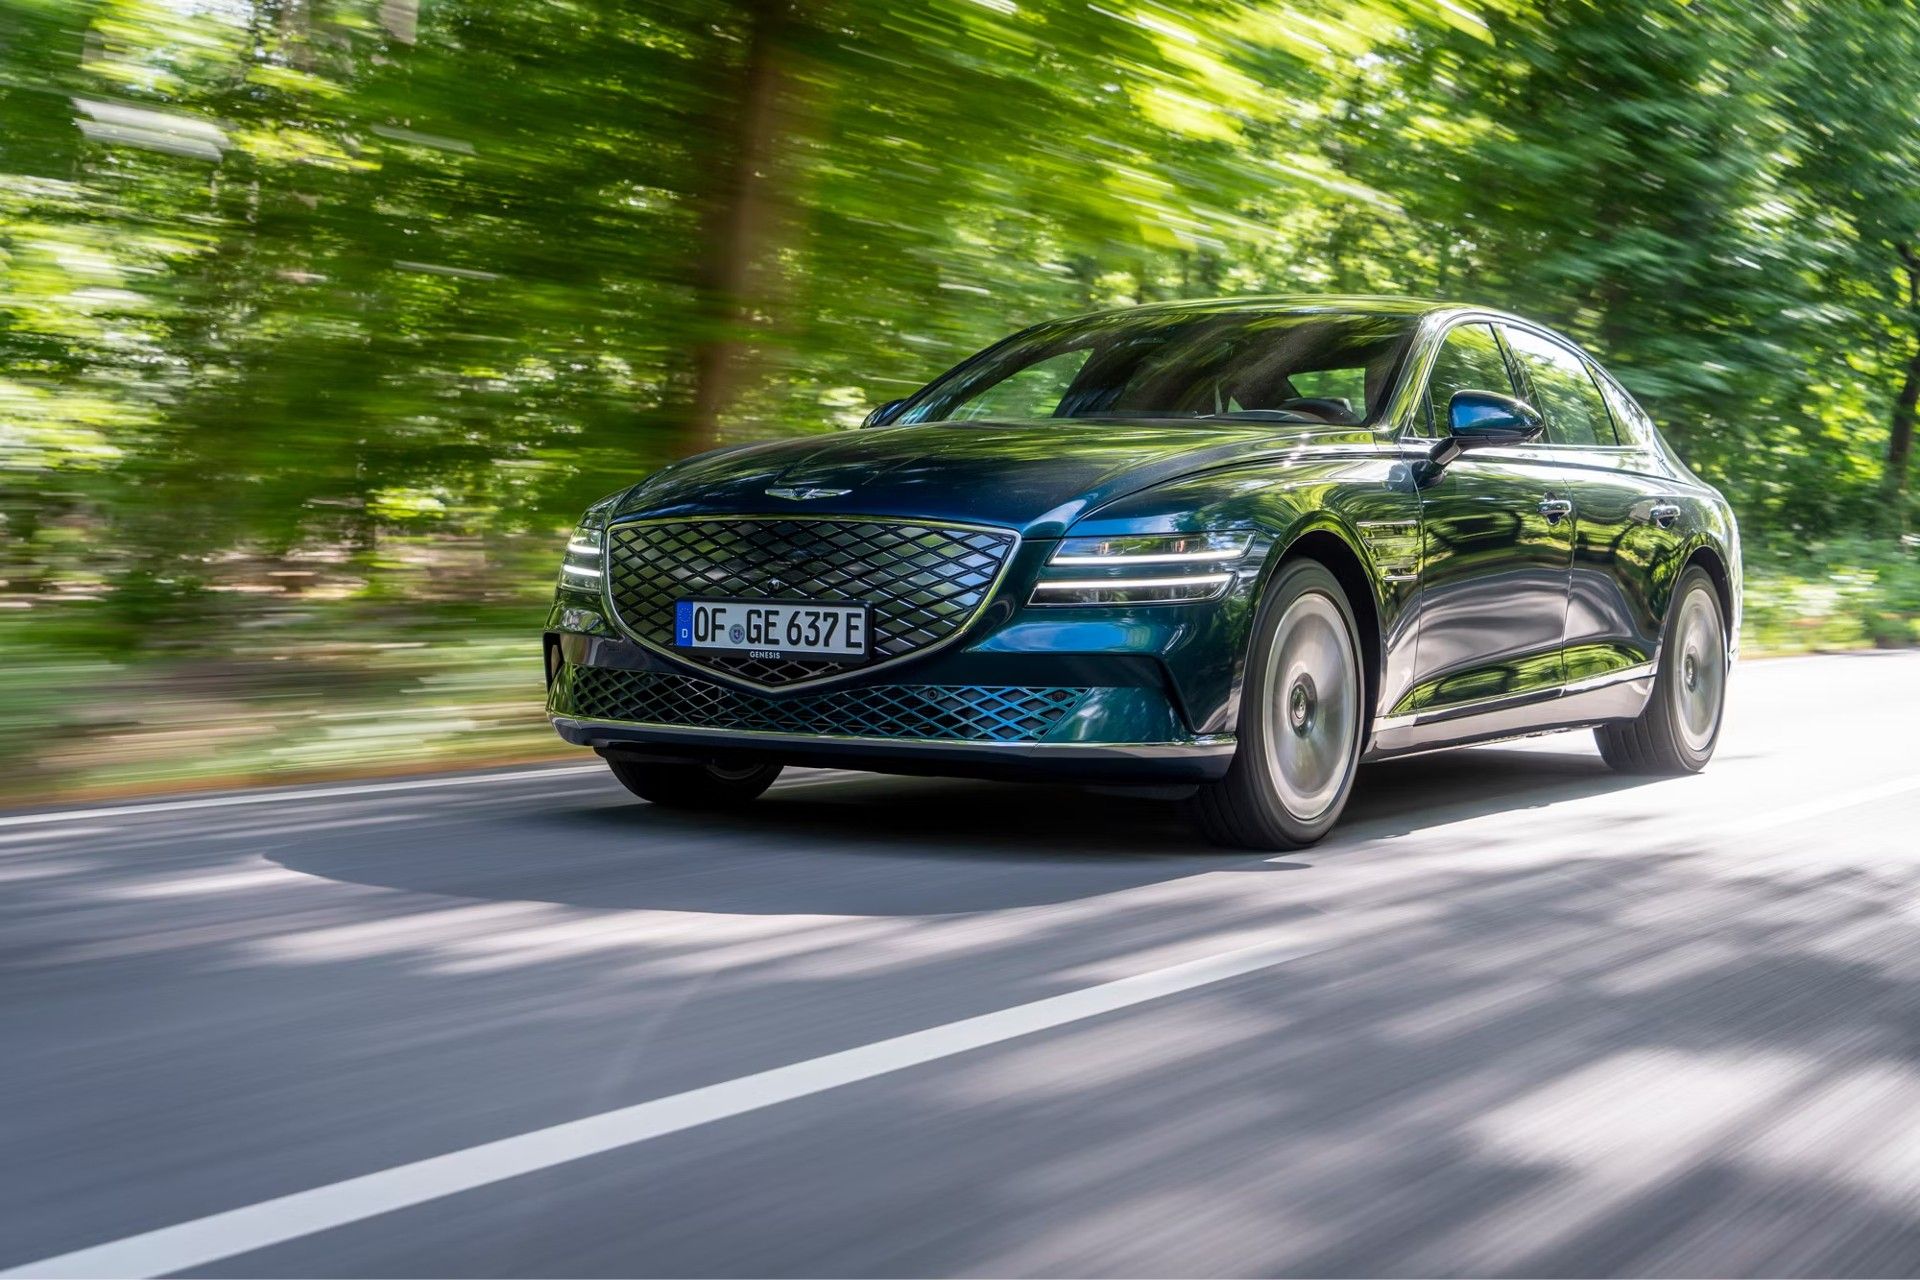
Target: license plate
<point x="775" y="629"/>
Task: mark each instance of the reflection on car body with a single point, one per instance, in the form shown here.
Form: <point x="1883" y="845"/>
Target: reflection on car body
<point x="1234" y="547"/>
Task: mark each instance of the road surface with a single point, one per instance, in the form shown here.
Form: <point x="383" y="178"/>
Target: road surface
<point x="1518" y="1016"/>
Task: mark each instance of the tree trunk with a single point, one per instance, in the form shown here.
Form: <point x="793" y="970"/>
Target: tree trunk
<point x="1900" y="436"/>
<point x="736" y="222"/>
<point x="1900" y="428"/>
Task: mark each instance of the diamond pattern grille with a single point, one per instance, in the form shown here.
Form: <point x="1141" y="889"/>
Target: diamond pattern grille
<point x="924" y="582"/>
<point x="962" y="713"/>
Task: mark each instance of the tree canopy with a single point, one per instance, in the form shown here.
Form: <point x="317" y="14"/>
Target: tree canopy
<point x="282" y="275"/>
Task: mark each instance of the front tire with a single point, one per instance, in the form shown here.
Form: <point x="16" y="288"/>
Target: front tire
<point x="1302" y="712"/>
<point x="1680" y="725"/>
<point x="693" y="786"/>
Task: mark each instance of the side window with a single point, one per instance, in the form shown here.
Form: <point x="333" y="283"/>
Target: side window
<point x="1629" y="419"/>
<point x="1033" y="392"/>
<point x="1349" y="385"/>
<point x="1469" y="360"/>
<point x="1563" y="390"/>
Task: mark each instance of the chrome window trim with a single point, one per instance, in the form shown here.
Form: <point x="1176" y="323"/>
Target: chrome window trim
<point x="1412" y="392"/>
<point x="1416" y="391"/>
<point x="1587" y="366"/>
<point x="790" y="517"/>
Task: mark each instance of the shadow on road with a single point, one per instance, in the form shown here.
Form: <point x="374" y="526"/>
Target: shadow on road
<point x="1563" y="1047"/>
<point x="872" y="846"/>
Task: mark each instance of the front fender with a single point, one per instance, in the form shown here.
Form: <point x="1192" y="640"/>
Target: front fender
<point x="1363" y="499"/>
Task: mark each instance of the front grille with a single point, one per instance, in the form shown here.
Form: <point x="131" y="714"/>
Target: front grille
<point x="924" y="582"/>
<point x="961" y="713"/>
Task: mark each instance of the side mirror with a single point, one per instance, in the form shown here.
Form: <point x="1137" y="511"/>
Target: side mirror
<point x="881" y="414"/>
<point x="1476" y="419"/>
<point x="1486" y="417"/>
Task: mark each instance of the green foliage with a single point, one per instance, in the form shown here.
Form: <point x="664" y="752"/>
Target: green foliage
<point x="287" y="274"/>
<point x="1845" y="594"/>
<point x="347" y="300"/>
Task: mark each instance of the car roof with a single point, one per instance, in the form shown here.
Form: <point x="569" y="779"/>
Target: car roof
<point x="1299" y="304"/>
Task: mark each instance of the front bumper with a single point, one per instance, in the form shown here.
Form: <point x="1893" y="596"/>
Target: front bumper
<point x="1194" y="760"/>
<point x="1142" y="693"/>
<point x="1084" y="717"/>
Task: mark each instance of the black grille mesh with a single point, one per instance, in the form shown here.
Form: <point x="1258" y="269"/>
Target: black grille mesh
<point x="964" y="713"/>
<point x="923" y="582"/>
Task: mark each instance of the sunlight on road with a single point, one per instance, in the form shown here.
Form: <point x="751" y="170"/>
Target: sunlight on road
<point x="1524" y="1015"/>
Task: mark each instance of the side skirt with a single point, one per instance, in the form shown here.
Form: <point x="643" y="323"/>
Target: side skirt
<point x="1618" y="695"/>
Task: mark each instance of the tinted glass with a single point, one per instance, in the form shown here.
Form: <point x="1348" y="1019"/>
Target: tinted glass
<point x="1254" y="366"/>
<point x="1033" y="392"/>
<point x="1563" y="390"/>
<point x="1629" y="419"/>
<point x="1469" y="360"/>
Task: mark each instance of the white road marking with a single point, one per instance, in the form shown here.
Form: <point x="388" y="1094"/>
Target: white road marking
<point x="282" y="796"/>
<point x="289" y="1217"/>
<point x="26" y="837"/>
<point x="1765" y="820"/>
<point x="1768" y="819"/>
<point x="329" y="793"/>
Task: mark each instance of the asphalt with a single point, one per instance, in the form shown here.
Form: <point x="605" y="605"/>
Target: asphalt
<point x="1518" y="1016"/>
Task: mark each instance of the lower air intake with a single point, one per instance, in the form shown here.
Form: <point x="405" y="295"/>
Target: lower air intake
<point x="959" y="713"/>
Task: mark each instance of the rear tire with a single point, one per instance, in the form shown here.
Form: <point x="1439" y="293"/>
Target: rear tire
<point x="1303" y="709"/>
<point x="1680" y="726"/>
<point x="693" y="786"/>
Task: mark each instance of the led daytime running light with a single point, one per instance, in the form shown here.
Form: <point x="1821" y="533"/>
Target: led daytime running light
<point x="1130" y="584"/>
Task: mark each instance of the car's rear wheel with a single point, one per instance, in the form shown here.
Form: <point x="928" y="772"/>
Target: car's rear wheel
<point x="1302" y="709"/>
<point x="693" y="786"/>
<point x="1678" y="729"/>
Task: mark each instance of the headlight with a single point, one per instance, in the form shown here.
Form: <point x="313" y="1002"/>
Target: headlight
<point x="1142" y="569"/>
<point x="580" y="566"/>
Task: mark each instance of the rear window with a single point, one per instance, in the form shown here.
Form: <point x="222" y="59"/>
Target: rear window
<point x="1629" y="419"/>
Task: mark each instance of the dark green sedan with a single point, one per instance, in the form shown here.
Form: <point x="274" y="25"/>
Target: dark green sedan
<point x="1223" y="550"/>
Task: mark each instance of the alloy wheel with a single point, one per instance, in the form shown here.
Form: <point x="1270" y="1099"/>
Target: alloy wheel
<point x="1312" y="689"/>
<point x="1700" y="674"/>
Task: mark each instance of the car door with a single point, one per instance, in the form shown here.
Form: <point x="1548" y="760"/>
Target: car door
<point x="1628" y="528"/>
<point x="1497" y="547"/>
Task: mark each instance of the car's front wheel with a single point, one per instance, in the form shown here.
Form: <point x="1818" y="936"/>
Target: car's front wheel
<point x="1302" y="709"/>
<point x="693" y="786"/>
<point x="1680" y="726"/>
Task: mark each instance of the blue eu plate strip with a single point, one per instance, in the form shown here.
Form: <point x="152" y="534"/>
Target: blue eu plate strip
<point x="683" y="622"/>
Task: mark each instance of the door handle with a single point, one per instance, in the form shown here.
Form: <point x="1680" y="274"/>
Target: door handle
<point x="1555" y="509"/>
<point x="1664" y="514"/>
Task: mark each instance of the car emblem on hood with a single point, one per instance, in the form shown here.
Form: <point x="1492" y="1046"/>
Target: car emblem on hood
<point x="806" y="495"/>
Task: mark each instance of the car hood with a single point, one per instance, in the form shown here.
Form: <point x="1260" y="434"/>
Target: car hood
<point x="1037" y="477"/>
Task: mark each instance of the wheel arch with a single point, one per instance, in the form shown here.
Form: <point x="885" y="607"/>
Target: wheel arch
<point x="1324" y="545"/>
<point x="1708" y="557"/>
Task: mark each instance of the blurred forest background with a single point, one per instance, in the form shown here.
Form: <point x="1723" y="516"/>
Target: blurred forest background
<point x="320" y="319"/>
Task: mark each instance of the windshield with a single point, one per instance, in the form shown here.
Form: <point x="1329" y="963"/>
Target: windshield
<point x="1252" y="366"/>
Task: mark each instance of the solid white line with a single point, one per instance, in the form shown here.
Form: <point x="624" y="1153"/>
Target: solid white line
<point x="1768" y="819"/>
<point x="278" y="796"/>
<point x="271" y="1222"/>
<point x="328" y="793"/>
<point x="1600" y="802"/>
